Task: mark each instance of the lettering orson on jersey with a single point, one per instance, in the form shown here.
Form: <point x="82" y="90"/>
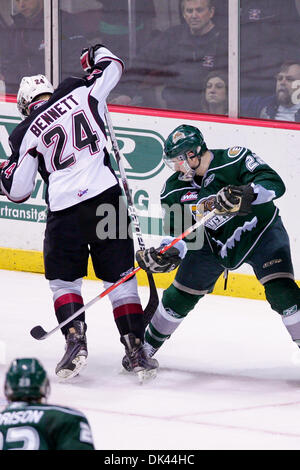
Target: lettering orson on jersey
<point x="25" y="426"/>
<point x="64" y="139"/>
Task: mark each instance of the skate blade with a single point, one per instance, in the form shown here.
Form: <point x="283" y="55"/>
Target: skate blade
<point x="66" y="374"/>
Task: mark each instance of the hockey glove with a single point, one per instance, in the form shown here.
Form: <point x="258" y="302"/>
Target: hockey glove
<point x="235" y="199"/>
<point x="152" y="261"/>
<point x="87" y="57"/>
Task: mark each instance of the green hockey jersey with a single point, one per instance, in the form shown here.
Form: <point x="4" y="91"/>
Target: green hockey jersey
<point x="231" y="238"/>
<point x="25" y="426"/>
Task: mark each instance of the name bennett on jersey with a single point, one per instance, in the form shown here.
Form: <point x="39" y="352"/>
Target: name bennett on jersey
<point x="53" y="113"/>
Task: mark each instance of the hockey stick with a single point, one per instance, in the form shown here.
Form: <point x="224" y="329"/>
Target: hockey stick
<point x="38" y="331"/>
<point x="153" y="299"/>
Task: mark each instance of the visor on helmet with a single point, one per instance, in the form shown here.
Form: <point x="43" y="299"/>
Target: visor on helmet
<point x="181" y="164"/>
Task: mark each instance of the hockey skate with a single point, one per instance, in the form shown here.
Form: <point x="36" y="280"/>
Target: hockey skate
<point x="150" y="351"/>
<point x="136" y="359"/>
<point x="75" y="357"/>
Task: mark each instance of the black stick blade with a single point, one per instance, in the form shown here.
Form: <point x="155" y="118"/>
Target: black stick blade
<point x="38" y="332"/>
<point x="153" y="302"/>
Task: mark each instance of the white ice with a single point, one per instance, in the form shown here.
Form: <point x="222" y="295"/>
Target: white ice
<point x="229" y="377"/>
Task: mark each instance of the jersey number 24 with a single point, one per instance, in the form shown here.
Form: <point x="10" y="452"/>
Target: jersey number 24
<point x="83" y="137"/>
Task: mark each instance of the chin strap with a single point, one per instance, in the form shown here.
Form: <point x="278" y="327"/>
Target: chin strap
<point x="185" y="177"/>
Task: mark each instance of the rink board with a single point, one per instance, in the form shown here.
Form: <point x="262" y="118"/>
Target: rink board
<point x="140" y="135"/>
<point x="238" y="285"/>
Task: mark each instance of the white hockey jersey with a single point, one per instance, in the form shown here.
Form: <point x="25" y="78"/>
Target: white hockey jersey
<point x="64" y="139"/>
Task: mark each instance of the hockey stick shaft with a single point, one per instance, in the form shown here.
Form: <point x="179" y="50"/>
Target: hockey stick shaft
<point x="153" y="299"/>
<point x="131" y="208"/>
<point x="39" y="333"/>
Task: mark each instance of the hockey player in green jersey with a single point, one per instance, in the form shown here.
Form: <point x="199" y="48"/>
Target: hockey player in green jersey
<point x="241" y="186"/>
<point x="29" y="424"/>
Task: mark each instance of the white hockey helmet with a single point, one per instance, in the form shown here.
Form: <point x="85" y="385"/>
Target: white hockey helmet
<point x="30" y="87"/>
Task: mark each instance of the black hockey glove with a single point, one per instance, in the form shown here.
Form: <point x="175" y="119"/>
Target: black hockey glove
<point x="152" y="261"/>
<point x="87" y="57"/>
<point x="235" y="199"/>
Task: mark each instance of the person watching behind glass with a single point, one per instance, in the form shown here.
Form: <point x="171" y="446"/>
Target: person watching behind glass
<point x="215" y="96"/>
<point x="269" y="36"/>
<point x="25" y="55"/>
<point x="284" y="105"/>
<point x="177" y="62"/>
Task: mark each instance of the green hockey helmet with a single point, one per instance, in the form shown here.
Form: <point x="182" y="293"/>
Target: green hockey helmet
<point x="26" y="380"/>
<point x="185" y="141"/>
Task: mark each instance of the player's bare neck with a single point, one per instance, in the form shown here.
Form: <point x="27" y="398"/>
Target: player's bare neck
<point x="204" y="163"/>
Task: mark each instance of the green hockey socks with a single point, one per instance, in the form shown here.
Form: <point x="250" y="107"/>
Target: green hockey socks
<point x="174" y="307"/>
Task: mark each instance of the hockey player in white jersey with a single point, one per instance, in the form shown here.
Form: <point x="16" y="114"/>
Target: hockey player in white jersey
<point x="63" y="138"/>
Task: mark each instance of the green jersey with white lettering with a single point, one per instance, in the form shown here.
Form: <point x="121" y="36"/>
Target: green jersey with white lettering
<point x="29" y="426"/>
<point x="231" y="238"/>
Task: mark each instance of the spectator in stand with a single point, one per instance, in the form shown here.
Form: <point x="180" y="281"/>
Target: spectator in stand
<point x="25" y="55"/>
<point x="221" y="14"/>
<point x="284" y="105"/>
<point x="215" y="96"/>
<point x="270" y="35"/>
<point x="179" y="59"/>
<point x="111" y="25"/>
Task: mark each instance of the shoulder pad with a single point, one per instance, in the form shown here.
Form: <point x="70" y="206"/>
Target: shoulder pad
<point x="236" y="151"/>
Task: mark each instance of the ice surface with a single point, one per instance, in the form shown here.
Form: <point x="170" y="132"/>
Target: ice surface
<point x="229" y="377"/>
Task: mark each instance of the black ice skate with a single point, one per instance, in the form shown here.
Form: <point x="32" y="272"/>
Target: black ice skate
<point x="136" y="359"/>
<point x="150" y="351"/>
<point x="75" y="357"/>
